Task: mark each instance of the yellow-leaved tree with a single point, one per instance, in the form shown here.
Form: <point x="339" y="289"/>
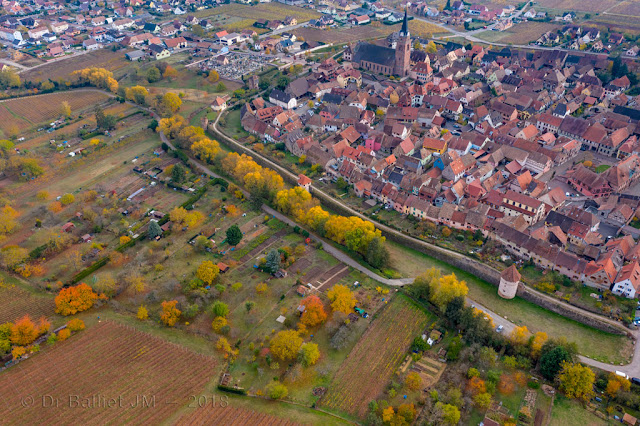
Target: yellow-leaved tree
<point x="519" y="335"/>
<point x="445" y="289"/>
<point x="342" y="299"/>
<point x="207" y="272"/>
<point x="170" y="313"/>
<point x="286" y="344"/>
<point x="576" y="381"/>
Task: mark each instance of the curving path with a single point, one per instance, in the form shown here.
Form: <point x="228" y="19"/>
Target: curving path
<point x="632" y="369"/>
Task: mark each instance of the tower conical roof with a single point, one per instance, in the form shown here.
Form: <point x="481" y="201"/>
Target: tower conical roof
<point x="405" y="24"/>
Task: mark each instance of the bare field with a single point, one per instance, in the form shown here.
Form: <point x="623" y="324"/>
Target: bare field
<point x="527" y="32"/>
<point x="41" y="108"/>
<point x="230" y="416"/>
<point x="16" y="302"/>
<point x="106" y="361"/>
<point x="578" y="5"/>
<point x="103" y="58"/>
<point x="626" y="8"/>
<point x="268" y="11"/>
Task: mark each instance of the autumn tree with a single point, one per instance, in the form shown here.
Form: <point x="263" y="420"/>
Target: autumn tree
<point x="445" y="289"/>
<point x="286" y="345"/>
<point x="65" y="109"/>
<point x="342" y="299"/>
<point x="213" y="76"/>
<point x="576" y="381"/>
<point x="43" y="326"/>
<point x="8" y="222"/>
<point x="13" y="256"/>
<point x="170" y="73"/>
<point x="314" y="313"/>
<point x="75" y="324"/>
<point x="309" y="354"/>
<point x="482" y="400"/>
<point x="476" y="385"/>
<point x="171" y="126"/>
<point x="98" y="77"/>
<point x="67" y="199"/>
<point x="143" y="313"/>
<point x="170" y="103"/>
<point x="137" y="94"/>
<point x="506" y="385"/>
<point x="218" y="323"/>
<point x="519" y="335"/>
<point x="72" y="300"/>
<point x="207" y="272"/>
<point x="170" y="313"/>
<point x="206" y="149"/>
<point x="617" y="383"/>
<point x="413" y="381"/>
<point x="539" y="339"/>
<point x="23" y="332"/>
<point x="234" y="235"/>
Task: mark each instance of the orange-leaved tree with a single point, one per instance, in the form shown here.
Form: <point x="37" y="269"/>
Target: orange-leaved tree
<point x="170" y="314"/>
<point x="72" y="300"/>
<point x="23" y="331"/>
<point x="314" y="313"/>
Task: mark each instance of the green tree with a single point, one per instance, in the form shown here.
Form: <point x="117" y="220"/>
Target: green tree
<point x="105" y="121"/>
<point x="276" y="390"/>
<point x="552" y="359"/>
<point x="377" y="254"/>
<point x="178" y="174"/>
<point x="153" y="75"/>
<point x="234" y="235"/>
<point x="154" y="230"/>
<point x="450" y="413"/>
<point x="220" y="309"/>
<point x="272" y="263"/>
<point x="309" y="354"/>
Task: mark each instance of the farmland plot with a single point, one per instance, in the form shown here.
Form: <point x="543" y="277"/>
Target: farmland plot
<point x="38" y="109"/>
<point x="16" y="302"/>
<point x="372" y="362"/>
<point x="105" y="362"/>
<point x="211" y="415"/>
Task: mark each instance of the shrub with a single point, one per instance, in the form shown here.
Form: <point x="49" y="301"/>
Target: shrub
<point x="64" y="334"/>
<point x="75" y="325"/>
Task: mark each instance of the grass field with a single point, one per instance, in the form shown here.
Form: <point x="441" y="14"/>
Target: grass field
<point x="31" y="111"/>
<point x="106" y="361"/>
<point x="366" y="371"/>
<point x="568" y="412"/>
<point x="591" y="342"/>
<point x="577" y="5"/>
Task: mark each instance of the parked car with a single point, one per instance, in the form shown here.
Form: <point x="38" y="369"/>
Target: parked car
<point x="499" y="329"/>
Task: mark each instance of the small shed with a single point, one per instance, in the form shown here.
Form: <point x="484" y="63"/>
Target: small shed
<point x="281" y="319"/>
<point x="223" y="267"/>
<point x="302" y="290"/>
<point x="628" y="419"/>
<point x="301" y="309"/>
<point x="68" y="227"/>
<point x="281" y="273"/>
<point x="86" y="238"/>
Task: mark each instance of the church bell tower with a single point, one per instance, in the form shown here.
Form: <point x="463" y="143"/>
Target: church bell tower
<point x="403" y="49"/>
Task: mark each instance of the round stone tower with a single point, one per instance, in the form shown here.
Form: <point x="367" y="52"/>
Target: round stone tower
<point x="509" y="280"/>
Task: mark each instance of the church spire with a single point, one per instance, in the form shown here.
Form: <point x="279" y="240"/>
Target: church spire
<point x="405" y="24"/>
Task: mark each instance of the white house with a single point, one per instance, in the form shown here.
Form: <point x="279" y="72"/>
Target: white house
<point x="628" y="281"/>
<point x="282" y="99"/>
<point x="10" y="35"/>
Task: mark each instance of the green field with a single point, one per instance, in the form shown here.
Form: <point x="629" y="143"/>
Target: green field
<point x="591" y="342"/>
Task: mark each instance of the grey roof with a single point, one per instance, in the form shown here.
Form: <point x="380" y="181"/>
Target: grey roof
<point x="375" y="54"/>
<point x="281" y="96"/>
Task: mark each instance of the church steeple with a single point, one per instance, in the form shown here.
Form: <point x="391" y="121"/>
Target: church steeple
<point x="405" y="25"/>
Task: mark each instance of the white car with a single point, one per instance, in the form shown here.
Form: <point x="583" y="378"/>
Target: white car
<point x="499" y="329"/>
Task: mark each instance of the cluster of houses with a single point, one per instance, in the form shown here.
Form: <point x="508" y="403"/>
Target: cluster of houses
<point x="579" y="37"/>
<point x="479" y="150"/>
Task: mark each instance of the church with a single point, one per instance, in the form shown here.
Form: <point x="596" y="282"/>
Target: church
<point x="384" y="60"/>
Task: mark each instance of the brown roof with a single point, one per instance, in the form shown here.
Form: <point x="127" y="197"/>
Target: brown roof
<point x="511" y="274"/>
